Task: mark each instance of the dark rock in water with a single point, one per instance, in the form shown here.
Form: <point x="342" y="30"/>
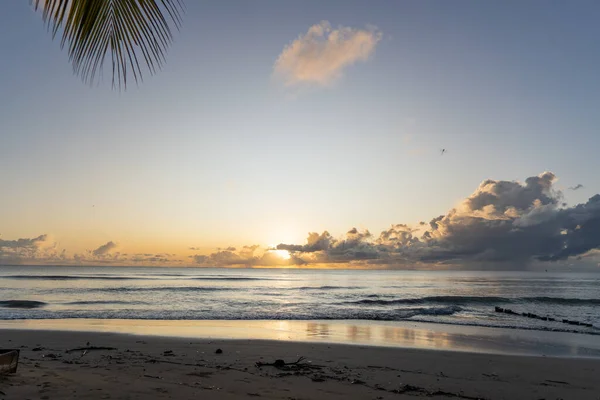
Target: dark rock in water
<point x="168" y="353"/>
<point x="545" y="318"/>
<point x="509" y="311"/>
<point x="551" y="319"/>
<point x="279" y="363"/>
<point x="37" y="349"/>
<point x="566" y="321"/>
<point x="525" y="314"/>
<point x="219" y="351"/>
<point x="499" y="309"/>
<point x="586" y="324"/>
<point x="573" y="323"/>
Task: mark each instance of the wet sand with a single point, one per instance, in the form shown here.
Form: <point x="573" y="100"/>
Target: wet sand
<point x="405" y="334"/>
<point x="151" y="367"/>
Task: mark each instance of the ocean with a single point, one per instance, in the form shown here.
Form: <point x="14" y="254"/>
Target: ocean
<point x="455" y="298"/>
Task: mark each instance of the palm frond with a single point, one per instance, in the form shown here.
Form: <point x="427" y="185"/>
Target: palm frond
<point x="134" y="32"/>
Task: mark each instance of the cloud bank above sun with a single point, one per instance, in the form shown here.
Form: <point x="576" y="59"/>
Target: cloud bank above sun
<point x="501" y="225"/>
<point x="320" y="56"/>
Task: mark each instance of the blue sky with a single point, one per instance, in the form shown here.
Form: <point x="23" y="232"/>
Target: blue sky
<point x="215" y="150"/>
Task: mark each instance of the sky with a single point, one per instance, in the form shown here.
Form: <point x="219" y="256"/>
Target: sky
<point x="304" y="133"/>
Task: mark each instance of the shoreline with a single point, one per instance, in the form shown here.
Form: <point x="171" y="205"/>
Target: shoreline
<point x="126" y="366"/>
<point x="404" y="335"/>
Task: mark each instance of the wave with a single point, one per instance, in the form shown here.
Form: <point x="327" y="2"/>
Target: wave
<point x="211" y="314"/>
<point x="161" y="289"/>
<point x="563" y="300"/>
<point x="22" y="304"/>
<point x="153" y="277"/>
<point x="327" y="287"/>
<point x="232" y="278"/>
<point x="100" y="302"/>
<point x="490" y="300"/>
<point x="433" y="299"/>
<point x="413" y="312"/>
<point x="72" y="277"/>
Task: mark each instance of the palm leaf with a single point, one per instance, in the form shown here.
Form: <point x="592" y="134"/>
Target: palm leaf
<point x="136" y="33"/>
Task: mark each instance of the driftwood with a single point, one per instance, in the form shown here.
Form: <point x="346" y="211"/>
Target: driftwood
<point x="427" y="393"/>
<point x="279" y="363"/>
<point x="296" y="365"/>
<point x="88" y="348"/>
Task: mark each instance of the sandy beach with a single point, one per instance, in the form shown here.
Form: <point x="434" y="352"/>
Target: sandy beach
<point x="89" y="365"/>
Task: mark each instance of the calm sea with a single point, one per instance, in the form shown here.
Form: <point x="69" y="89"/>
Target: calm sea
<point x="459" y="298"/>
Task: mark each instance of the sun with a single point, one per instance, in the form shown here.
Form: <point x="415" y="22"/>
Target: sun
<point x="283" y="254"/>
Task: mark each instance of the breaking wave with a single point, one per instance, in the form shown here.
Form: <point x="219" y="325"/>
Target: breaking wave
<point x="22" y="304"/>
<point x="472" y="300"/>
<point x="73" y="277"/>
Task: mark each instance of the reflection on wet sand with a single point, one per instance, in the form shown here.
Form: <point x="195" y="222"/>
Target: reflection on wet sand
<point x="390" y="334"/>
<point x="358" y="333"/>
<point x="319" y="330"/>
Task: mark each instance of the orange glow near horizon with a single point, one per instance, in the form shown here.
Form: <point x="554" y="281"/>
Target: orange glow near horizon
<point x="283" y="254"/>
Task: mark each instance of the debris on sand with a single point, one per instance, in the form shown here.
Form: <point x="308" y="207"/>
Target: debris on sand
<point x="297" y="365"/>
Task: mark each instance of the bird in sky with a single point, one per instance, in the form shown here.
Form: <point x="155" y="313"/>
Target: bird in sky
<point x="576" y="187"/>
<point x="443" y="151"/>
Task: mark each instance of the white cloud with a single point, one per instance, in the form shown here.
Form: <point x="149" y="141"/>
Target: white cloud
<point x="320" y="56"/>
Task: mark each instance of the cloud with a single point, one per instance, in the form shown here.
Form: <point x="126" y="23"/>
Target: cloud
<point x="42" y="250"/>
<point x="27" y="250"/>
<point x="104" y="249"/>
<point x="29" y="244"/>
<point x="160" y="258"/>
<point x="576" y="187"/>
<point x="501" y="224"/>
<point x="247" y="256"/>
<point x="321" y="54"/>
